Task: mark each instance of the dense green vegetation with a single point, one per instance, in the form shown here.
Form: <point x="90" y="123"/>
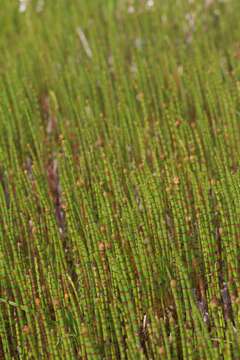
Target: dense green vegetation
<point x="119" y="179"/>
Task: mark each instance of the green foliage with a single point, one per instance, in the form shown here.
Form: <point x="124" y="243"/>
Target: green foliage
<point x="119" y="179"/>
